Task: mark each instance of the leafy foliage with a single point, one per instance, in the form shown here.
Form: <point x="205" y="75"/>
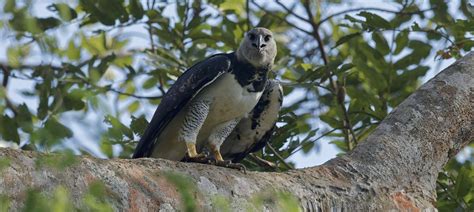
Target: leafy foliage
<point x="75" y="61"/>
<point x="455" y="187"/>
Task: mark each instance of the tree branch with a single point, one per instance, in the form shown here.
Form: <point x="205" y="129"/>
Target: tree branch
<point x="282" y="19"/>
<point x="247" y="11"/>
<point x="338" y="89"/>
<point x="290" y="11"/>
<point x="395" y="168"/>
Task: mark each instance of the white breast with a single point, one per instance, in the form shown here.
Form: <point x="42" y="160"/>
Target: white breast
<point x="229" y="99"/>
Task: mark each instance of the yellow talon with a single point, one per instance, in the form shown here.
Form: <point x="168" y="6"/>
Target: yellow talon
<point x="192" y="153"/>
<point x="217" y="153"/>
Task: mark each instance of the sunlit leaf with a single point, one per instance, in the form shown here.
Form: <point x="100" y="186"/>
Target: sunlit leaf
<point x="65" y="12"/>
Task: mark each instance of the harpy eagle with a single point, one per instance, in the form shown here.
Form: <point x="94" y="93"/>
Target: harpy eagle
<point x="225" y="104"/>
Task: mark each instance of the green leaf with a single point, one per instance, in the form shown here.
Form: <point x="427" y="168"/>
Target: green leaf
<point x="151" y="82"/>
<point x="138" y="125"/>
<point x="464" y="182"/>
<point x="9" y="6"/>
<point x="374" y="57"/>
<point x="97" y="72"/>
<point x="47" y="23"/>
<point x="237" y="6"/>
<point x="65" y="12"/>
<point x="95" y="45"/>
<point x="352" y="19"/>
<point x="375" y="21"/>
<point x="401" y="40"/>
<point x="380" y="43"/>
<point x="73" y="100"/>
<point x="16" y="54"/>
<point x="133" y="107"/>
<point x="346" y="38"/>
<point x="421" y="51"/>
<point x="73" y="52"/>
<point x="420" y="48"/>
<point x="441" y="13"/>
<point x="344" y="68"/>
<point x="342" y="145"/>
<point x="24" y="118"/>
<point x="9" y="129"/>
<point x="106" y="148"/>
<point x="105" y="11"/>
<point x="416" y="27"/>
<point x="329" y="119"/>
<point x="136" y="9"/>
<point x="118" y="129"/>
<point x="57" y="130"/>
<point x="44" y="92"/>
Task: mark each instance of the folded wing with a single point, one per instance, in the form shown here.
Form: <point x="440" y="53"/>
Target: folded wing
<point x="181" y="92"/>
<point x="253" y="132"/>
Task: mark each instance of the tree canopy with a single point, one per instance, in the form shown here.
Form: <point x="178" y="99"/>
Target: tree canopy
<point x="102" y="66"/>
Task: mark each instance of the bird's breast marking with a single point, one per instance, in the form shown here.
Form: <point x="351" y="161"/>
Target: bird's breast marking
<point x="230" y="99"/>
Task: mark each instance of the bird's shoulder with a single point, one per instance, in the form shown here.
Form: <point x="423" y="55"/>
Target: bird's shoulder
<point x="216" y="62"/>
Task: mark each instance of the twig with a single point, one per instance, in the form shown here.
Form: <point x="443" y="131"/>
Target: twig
<point x="280" y="158"/>
<point x="247" y="11"/>
<point x="185" y="24"/>
<point x="132" y="95"/>
<point x="150" y="32"/>
<point x="282" y="19"/>
<point x="312" y="141"/>
<point x="315" y="32"/>
<point x="6" y="76"/>
<point x="338" y="89"/>
<point x="262" y="162"/>
<point x="463" y="204"/>
<point x="289" y="84"/>
<point x="290" y="11"/>
<point x="366" y="113"/>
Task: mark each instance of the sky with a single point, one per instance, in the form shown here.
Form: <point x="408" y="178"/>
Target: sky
<point x="86" y="139"/>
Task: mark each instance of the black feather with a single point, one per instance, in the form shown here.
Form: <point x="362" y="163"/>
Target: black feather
<point x="187" y="85"/>
<point x="252" y="125"/>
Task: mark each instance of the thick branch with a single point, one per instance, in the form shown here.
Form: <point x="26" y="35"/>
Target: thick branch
<point x="395" y="168"/>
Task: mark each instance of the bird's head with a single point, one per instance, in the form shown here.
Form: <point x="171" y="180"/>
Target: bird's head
<point x="258" y="47"/>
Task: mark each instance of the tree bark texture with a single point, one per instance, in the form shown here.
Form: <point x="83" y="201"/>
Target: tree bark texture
<point x="395" y="168"/>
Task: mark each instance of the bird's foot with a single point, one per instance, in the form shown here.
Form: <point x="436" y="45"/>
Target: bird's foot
<point x="199" y="158"/>
<point x="229" y="164"/>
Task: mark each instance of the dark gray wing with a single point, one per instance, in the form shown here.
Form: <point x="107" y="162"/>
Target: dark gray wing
<point x="186" y="87"/>
<point x="253" y="132"/>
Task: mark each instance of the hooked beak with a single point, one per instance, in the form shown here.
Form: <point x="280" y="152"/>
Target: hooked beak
<point x="259" y="43"/>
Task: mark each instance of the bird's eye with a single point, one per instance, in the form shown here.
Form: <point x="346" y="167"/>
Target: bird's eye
<point x="267" y="38"/>
<point x="251" y="36"/>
